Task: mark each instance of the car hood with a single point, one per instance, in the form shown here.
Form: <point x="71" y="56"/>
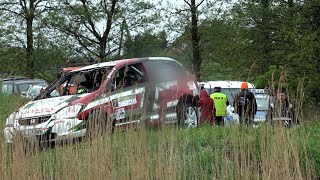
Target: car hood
<point x="44" y="107"/>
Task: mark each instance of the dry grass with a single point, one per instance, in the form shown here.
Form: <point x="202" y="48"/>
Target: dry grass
<point x="169" y="153"/>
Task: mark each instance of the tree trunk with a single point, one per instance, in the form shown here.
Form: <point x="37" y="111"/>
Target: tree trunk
<point x="290" y="3"/>
<point x="30" y="58"/>
<point x="196" y="57"/>
<point x="121" y="38"/>
<point x="102" y="50"/>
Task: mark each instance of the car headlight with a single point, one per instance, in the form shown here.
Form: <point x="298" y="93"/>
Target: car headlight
<point x="10" y="120"/>
<point x="68" y="112"/>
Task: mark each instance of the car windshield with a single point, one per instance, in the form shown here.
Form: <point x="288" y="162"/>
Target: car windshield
<point x="23" y="87"/>
<point x="262" y="103"/>
<point x="78" y="82"/>
<point x="35" y="91"/>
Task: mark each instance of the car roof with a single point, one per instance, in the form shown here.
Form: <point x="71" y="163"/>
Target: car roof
<point x="260" y="91"/>
<point x="68" y="69"/>
<point x="38" y="86"/>
<point x="121" y="62"/>
<point x="225" y="84"/>
<point x="13" y="78"/>
<point x="23" y="81"/>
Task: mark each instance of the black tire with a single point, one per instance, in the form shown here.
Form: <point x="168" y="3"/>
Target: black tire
<point x="99" y="124"/>
<point x="187" y="115"/>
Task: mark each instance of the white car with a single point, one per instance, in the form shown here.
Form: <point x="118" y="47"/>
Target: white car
<point x="123" y="93"/>
<point x="34" y="91"/>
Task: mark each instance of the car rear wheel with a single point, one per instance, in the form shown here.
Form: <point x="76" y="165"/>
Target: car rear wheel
<point x="188" y="116"/>
<point x="99" y="124"/>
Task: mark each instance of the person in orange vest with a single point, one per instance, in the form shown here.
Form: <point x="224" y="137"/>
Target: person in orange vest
<point x="220" y="103"/>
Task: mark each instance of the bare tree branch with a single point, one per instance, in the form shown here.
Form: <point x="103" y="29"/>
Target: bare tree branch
<point x="109" y="19"/>
<point x="85" y="46"/>
<point x="23" y="4"/>
<point x="89" y="19"/>
<point x="180" y="11"/>
<point x="187" y="2"/>
<point x="200" y="4"/>
<point x="76" y="34"/>
<point x="11" y="11"/>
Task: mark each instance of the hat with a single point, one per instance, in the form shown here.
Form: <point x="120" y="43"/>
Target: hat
<point x="217" y="89"/>
<point x="244" y="85"/>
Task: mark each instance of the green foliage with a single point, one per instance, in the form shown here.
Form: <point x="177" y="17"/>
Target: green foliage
<point x="146" y="44"/>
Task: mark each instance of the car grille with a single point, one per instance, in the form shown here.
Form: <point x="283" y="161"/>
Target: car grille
<point x="33" y="120"/>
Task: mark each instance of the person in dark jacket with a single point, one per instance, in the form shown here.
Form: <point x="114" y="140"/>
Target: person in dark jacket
<point x="245" y="104"/>
<point x="282" y="108"/>
<point x="207" y="108"/>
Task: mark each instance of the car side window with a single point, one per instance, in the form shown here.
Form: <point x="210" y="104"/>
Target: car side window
<point x="127" y="76"/>
<point x="162" y="71"/>
<point x="11" y="88"/>
<point x="4" y="88"/>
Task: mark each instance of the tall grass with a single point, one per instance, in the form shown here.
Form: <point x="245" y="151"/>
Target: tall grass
<point x="171" y="153"/>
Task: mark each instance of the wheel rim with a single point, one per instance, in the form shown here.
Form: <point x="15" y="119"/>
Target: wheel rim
<point x="191" y="119"/>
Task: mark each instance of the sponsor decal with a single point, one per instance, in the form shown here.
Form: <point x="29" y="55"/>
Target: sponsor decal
<point x="123" y="98"/>
<point x="59" y="122"/>
<point x="127" y="100"/>
<point x="120" y="114"/>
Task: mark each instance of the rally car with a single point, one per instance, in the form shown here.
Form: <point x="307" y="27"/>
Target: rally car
<point x="152" y="91"/>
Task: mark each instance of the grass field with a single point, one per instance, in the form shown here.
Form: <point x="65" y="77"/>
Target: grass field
<point x="171" y="153"/>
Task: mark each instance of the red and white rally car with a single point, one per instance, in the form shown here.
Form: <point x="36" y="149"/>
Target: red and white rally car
<point x="155" y="91"/>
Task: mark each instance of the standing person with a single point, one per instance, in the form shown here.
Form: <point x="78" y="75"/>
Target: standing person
<point x="220" y="103"/>
<point x="245" y="104"/>
<point x="207" y="108"/>
<point x="282" y="108"/>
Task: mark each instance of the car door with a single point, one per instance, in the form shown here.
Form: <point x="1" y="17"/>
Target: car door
<point x="127" y="96"/>
<point x="168" y="80"/>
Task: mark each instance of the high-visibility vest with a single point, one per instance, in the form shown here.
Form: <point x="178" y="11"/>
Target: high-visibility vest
<point x="220" y="101"/>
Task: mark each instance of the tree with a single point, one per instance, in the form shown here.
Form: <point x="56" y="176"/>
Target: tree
<point x="26" y="11"/>
<point x="185" y="20"/>
<point x="96" y="24"/>
<point x="146" y="44"/>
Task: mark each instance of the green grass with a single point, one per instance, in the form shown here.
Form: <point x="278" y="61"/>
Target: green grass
<point x="172" y="153"/>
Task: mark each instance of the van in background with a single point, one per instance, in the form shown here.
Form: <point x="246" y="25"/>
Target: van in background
<point x="229" y="88"/>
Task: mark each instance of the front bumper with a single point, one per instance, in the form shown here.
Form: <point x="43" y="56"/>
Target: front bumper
<point x="54" y="130"/>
